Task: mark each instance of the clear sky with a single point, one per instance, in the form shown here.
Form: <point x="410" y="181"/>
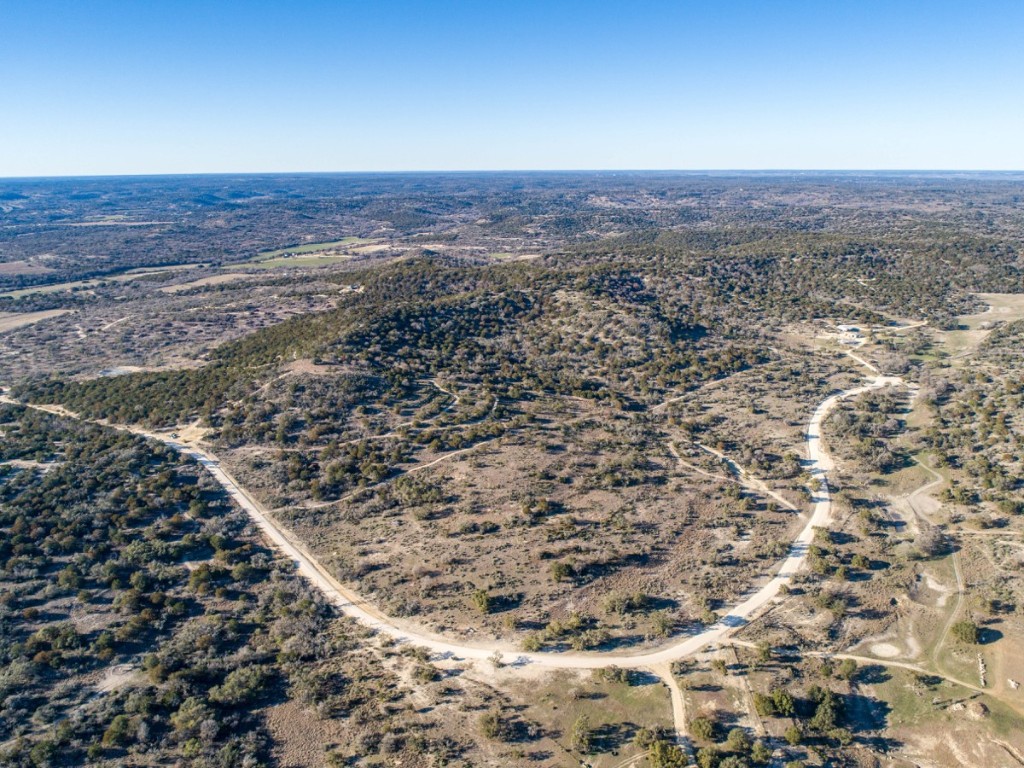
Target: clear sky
<point x="155" y="86"/>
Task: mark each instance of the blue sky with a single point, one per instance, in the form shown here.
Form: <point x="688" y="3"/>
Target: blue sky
<point x="149" y="86"/>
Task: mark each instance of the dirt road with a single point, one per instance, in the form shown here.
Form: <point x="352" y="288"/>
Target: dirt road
<point x="657" y="660"/>
<point x="819" y="463"/>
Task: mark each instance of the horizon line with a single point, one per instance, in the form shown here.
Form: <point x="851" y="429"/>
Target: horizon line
<point x="529" y="171"/>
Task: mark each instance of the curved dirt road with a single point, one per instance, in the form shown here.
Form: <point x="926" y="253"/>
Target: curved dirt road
<point x="352" y="605"/>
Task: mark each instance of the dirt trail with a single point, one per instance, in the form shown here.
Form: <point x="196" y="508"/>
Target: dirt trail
<point x="954" y="556"/>
<point x="745" y="478"/>
<point x="877" y="661"/>
<point x="664" y="671"/>
<point x="819" y="463"/>
<point x="657" y="660"/>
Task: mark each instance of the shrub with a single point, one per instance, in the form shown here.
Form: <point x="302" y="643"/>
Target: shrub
<point x="847" y="669"/>
<point x="482" y="601"/>
<point x="703" y="728"/>
<point x="119" y="732"/>
<point x="532" y="643"/>
<point x="662" y="754"/>
<point x="737" y="740"/>
<point x="615" y="674"/>
<point x="966" y="631"/>
<point x="494" y="726"/>
<point x="240" y="685"/>
<point x="761" y="753"/>
<point x="582" y="739"/>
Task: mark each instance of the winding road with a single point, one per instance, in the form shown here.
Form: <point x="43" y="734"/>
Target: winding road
<point x="657" y="660"/>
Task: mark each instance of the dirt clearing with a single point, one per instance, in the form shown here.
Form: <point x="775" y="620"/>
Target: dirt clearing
<point x="11" y="320"/>
<point x="212" y="280"/>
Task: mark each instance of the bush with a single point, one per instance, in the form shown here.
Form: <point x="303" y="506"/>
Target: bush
<point x="119" y="732"/>
<point x="561" y="571"/>
<point x="482" y="601"/>
<point x="662" y="754"/>
<point x="190" y="715"/>
<point x="847" y="669"/>
<point x="615" y="674"/>
<point x="737" y="740"/>
<point x="494" y="726"/>
<point x="426" y="673"/>
<point x="582" y="739"/>
<point x="532" y="643"/>
<point x="702" y="728"/>
<point x="966" y="631"/>
<point x="761" y="753"/>
<point x="240" y="685"/>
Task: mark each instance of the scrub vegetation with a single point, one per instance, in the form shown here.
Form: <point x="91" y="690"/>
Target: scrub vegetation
<point x="554" y="413"/>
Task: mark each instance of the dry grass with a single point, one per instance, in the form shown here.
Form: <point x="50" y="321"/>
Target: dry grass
<point x="22" y="268"/>
<point x="11" y="320"/>
<point x="212" y="280"/>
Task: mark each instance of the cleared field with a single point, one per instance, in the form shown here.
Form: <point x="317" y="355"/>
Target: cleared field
<point x="1001" y="304"/>
<point x="311" y="254"/>
<point x="614" y="711"/>
<point x="374" y="248"/>
<point x="118" y="223"/>
<point x="345" y="242"/>
<point x="120" y="277"/>
<point x="1003" y="307"/>
<point x="22" y="268"/>
<point x="11" y="320"/>
<point x="213" y="280"/>
<point x="298" y="261"/>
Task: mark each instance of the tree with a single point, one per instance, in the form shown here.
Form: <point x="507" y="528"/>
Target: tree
<point x="702" y="728"/>
<point x="662" y="754"/>
<point x="240" y="685"/>
<point x="764" y="705"/>
<point x="847" y="669"/>
<point x="494" y="726"/>
<point x="793" y="735"/>
<point x="966" y="631"/>
<point x="560" y="571"/>
<point x="737" y="740"/>
<point x="661" y="624"/>
<point x="582" y="739"/>
<point x="482" y="601"/>
<point x="842" y="735"/>
<point x="783" y="702"/>
<point x="190" y="715"/>
<point x="827" y="712"/>
<point x="119" y="732"/>
<point x="761" y="753"/>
